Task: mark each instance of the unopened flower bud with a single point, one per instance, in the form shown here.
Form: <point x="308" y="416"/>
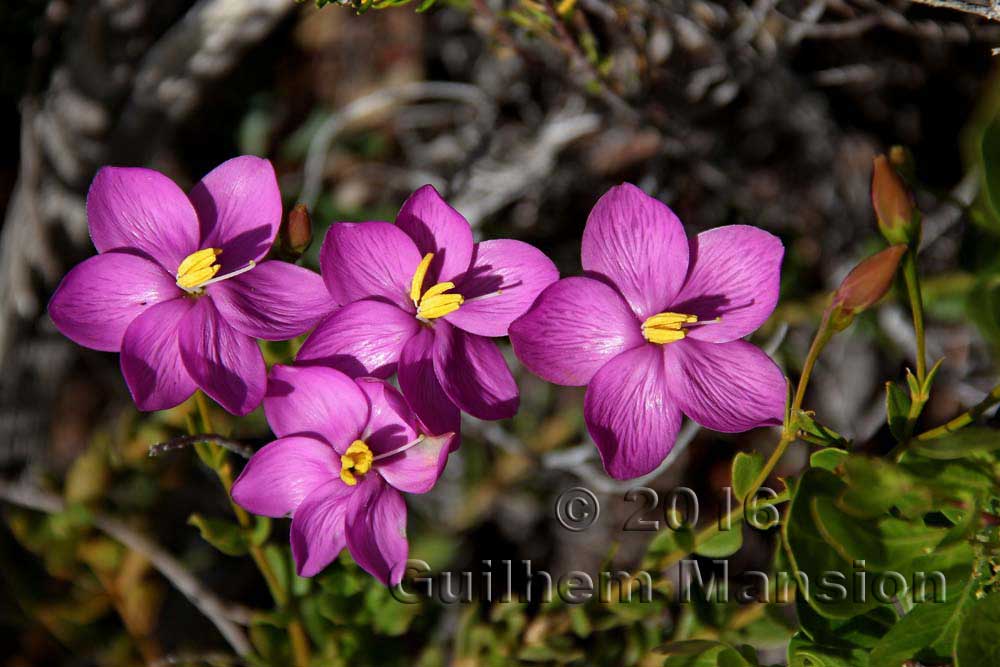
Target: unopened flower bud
<point x="898" y="218"/>
<point x="296" y="233"/>
<point x="864" y="286"/>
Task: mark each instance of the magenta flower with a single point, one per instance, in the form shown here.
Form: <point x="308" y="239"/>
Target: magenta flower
<point x="179" y="288"/>
<point x="654" y="330"/>
<point x="346" y="450"/>
<point x="419" y="296"/>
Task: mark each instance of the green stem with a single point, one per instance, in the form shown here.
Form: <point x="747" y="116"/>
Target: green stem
<point x="224" y="472"/>
<point x="964" y="419"/>
<point x="912" y="280"/>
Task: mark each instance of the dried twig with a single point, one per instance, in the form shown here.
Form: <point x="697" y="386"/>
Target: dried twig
<point x="223" y="615"/>
<point x="385" y="100"/>
<point x="990" y="11"/>
<point x="235" y="446"/>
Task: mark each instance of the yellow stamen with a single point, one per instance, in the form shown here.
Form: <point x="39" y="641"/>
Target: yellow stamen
<point x="417" y="283"/>
<point x="666" y="327"/>
<point x="435" y="302"/>
<point x="357" y="459"/>
<point x="197" y="268"/>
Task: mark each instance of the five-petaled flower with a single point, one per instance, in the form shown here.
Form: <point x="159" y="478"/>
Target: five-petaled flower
<point x="179" y="286"/>
<point x="346" y="450"/>
<point x="654" y="330"/>
<point x="421" y="297"/>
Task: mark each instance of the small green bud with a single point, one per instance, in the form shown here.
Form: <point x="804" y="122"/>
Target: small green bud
<point x="898" y="218"/>
<point x="864" y="286"/>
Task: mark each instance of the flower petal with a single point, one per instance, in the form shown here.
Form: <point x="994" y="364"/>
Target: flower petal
<point x="226" y="364"/>
<point x="362" y="338"/>
<point x="417" y="469"/>
<point x="391" y="422"/>
<point x="274" y="301"/>
<point x="283" y="473"/>
<point x="505" y="278"/>
<point x="376" y="532"/>
<point x="99" y="298"/>
<point x="728" y="387"/>
<point x="638" y="244"/>
<point x="735" y="274"/>
<point x="630" y="413"/>
<point x="393" y="425"/>
<point x="576" y="326"/>
<point x="239" y="206"/>
<point x="141" y="209"/>
<point x="318" y="528"/>
<point x="151" y="357"/>
<point x="438" y="228"/>
<point x="473" y="373"/>
<point x="361" y="260"/>
<point x="317" y="402"/>
<point x="422" y="389"/>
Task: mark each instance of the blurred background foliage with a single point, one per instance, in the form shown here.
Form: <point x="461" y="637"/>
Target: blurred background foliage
<point x="521" y="112"/>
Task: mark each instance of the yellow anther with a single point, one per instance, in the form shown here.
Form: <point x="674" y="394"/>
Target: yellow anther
<point x="417" y="284"/>
<point x="434" y="291"/>
<point x="357" y="459"/>
<point x="666" y="327"/>
<point x="197" y="268"/>
<point x="436" y="301"/>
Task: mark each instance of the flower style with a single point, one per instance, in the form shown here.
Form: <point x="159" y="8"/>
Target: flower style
<point x="179" y="286"/>
<point x="346" y="450"/>
<point x="654" y="330"/>
<point x="420" y="297"/>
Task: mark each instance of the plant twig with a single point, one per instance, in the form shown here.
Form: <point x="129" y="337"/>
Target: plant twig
<point x="964" y="419"/>
<point x="181" y="442"/>
<point x="988" y="11"/>
<point x="223" y="615"/>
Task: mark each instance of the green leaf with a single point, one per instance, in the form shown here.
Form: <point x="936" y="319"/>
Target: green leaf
<point x="991" y="164"/>
<point x="702" y="653"/>
<point x="897" y="409"/>
<point x="968" y="441"/>
<point x="885" y="544"/>
<point x="862" y="631"/>
<point x="828" y="458"/>
<point x="931" y="374"/>
<point x="976" y="644"/>
<point x="723" y="543"/>
<point x="224" y="535"/>
<point x="929" y="624"/>
<point x="804" y="653"/>
<point x="826" y="579"/>
<point x="812" y="430"/>
<point x="746" y="467"/>
<point x="874" y="486"/>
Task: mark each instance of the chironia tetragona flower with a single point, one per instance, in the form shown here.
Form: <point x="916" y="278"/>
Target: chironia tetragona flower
<point x="654" y="330"/>
<point x="346" y="450"/>
<point x="179" y="286"/>
<point x="420" y="295"/>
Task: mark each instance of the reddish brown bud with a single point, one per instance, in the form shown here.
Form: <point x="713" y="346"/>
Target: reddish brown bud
<point x="898" y="218"/>
<point x="865" y="285"/>
<point x="296" y="233"/>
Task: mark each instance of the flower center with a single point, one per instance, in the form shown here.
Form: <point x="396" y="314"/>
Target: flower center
<point x="199" y="268"/>
<point x="666" y="327"/>
<point x="357" y="459"/>
<point x="436" y="301"/>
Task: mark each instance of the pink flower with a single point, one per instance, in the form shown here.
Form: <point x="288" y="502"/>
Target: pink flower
<point x="179" y="287"/>
<point x="421" y="298"/>
<point x="346" y="450"/>
<point x="654" y="330"/>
